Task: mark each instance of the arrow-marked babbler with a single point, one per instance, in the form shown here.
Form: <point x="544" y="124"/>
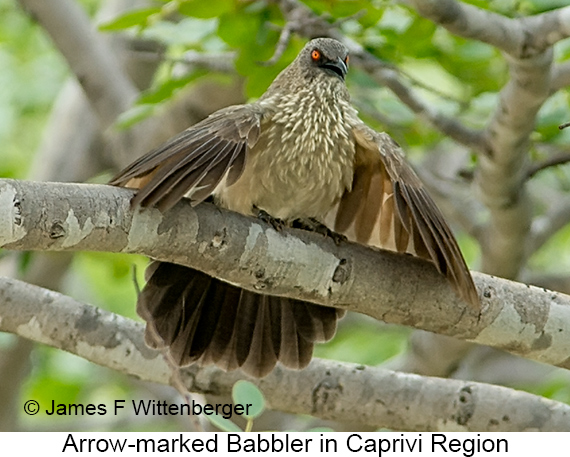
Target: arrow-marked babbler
<point x="299" y="153"/>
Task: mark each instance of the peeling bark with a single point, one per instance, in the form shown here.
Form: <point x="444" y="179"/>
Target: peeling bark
<point x="519" y="318"/>
<point x="325" y="389"/>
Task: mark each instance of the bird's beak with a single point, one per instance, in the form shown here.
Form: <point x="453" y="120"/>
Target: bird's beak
<point x="339" y="67"/>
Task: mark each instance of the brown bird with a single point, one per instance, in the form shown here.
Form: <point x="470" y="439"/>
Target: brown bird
<point x="299" y="153"/>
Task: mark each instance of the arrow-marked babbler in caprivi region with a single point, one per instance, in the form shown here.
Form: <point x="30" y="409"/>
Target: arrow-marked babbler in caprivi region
<point x="299" y="153"/>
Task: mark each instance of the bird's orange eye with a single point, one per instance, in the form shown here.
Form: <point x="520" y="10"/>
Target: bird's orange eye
<point x="316" y="54"/>
<point x="346" y="60"/>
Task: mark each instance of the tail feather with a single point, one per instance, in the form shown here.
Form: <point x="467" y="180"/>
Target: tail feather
<point x="295" y="350"/>
<point x="202" y="319"/>
<point x="261" y="357"/>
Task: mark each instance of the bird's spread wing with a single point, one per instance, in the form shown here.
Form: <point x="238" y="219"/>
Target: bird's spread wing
<point x="388" y="207"/>
<point x="194" y="162"/>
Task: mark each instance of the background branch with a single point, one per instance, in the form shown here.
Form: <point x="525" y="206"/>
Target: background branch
<point x="546" y="29"/>
<point x="325" y="389"/>
<point x="106" y="84"/>
<point x="560" y="76"/>
<point x="94" y="63"/>
<point x="560" y="158"/>
<point x="544" y="227"/>
<point x="476" y="23"/>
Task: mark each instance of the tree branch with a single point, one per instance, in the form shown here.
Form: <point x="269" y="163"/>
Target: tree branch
<point x="502" y="170"/>
<point x="448" y="126"/>
<point x="560" y="76"/>
<point x="552" y="161"/>
<point x="546" y="29"/>
<point x="94" y="64"/>
<point x="471" y="22"/>
<point x="501" y="174"/>
<point x="521" y="38"/>
<point x="394" y="288"/>
<point x="101" y="75"/>
<point x="544" y="227"/>
<point x="325" y="389"/>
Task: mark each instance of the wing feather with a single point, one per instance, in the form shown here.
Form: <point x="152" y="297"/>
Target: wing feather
<point x="196" y="161"/>
<point x="389" y="207"/>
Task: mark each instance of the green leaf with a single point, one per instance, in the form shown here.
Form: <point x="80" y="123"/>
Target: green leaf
<point x="365" y="341"/>
<point x="246" y="393"/>
<point x="372" y="16"/>
<point x="224" y="425"/>
<point x="133" y="115"/>
<point x="130" y="19"/>
<point x="187" y="32"/>
<point x="540" y="6"/>
<point x="204" y="9"/>
<point x="239" y="29"/>
<point x="165" y="90"/>
<point x="417" y="39"/>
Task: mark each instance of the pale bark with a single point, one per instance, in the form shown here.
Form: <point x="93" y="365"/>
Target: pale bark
<point x="325" y="389"/>
<point x="93" y="62"/>
<point x="521" y="319"/>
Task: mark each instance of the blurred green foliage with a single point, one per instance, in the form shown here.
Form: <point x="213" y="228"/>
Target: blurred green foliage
<point x="458" y="77"/>
<point x="30" y="76"/>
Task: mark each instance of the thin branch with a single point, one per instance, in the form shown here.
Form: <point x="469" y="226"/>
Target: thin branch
<point x="282" y="44"/>
<point x="223" y="62"/>
<point x="448" y="126"/>
<point x="295" y="263"/>
<point x="554" y="160"/>
<point x="325" y="389"/>
<point x="422" y="85"/>
<point x="544" y="227"/>
<point x="303" y="21"/>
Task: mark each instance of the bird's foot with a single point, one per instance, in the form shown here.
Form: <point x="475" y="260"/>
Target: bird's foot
<point x="313" y="225"/>
<point x="277" y="224"/>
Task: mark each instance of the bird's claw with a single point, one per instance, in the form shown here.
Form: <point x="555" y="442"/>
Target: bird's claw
<point x="277" y="224"/>
<point x="313" y="225"/>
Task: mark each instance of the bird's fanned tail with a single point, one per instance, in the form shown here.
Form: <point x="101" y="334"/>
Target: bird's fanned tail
<point x="202" y="319"/>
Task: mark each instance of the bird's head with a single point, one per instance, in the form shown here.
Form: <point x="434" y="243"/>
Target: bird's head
<point x="324" y="56"/>
<point x="322" y="64"/>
